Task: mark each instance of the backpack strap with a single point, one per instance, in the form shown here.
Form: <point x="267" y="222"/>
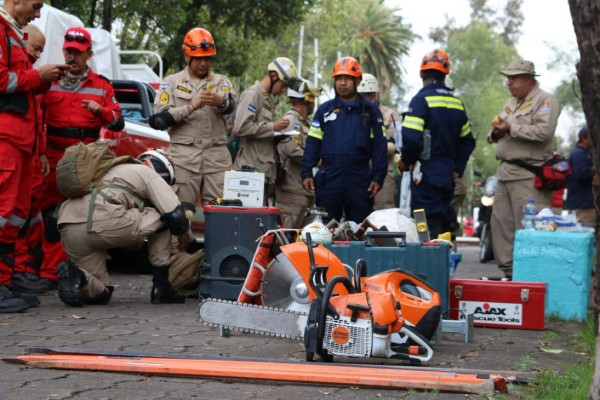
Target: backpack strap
<point x="140" y="203"/>
<point x="523" y="164"/>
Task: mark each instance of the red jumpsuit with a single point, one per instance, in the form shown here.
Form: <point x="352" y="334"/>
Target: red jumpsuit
<point x="28" y="248"/>
<point x="67" y="123"/>
<point x="18" y="84"/>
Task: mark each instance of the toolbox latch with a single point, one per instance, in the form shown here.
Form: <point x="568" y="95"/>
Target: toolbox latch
<point x="524" y="295"/>
<point x="458" y="289"/>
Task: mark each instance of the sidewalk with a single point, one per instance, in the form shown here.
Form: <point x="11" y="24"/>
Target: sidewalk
<point x="131" y="323"/>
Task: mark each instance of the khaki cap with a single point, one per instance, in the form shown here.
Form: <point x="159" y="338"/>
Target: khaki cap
<point x="520" y="67"/>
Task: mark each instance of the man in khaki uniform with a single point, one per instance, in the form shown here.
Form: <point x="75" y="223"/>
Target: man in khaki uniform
<point x="193" y="105"/>
<point x="291" y="198"/>
<point x="368" y="88"/>
<point x="523" y="130"/>
<point x="137" y="202"/>
<point x="255" y="123"/>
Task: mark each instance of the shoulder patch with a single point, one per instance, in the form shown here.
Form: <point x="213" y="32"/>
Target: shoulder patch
<point x="164" y="98"/>
<point x="251" y="108"/>
<point x="296" y="125"/>
<point x="164" y="85"/>
<point x="103" y="77"/>
<point x="184" y="89"/>
<point x="546" y="106"/>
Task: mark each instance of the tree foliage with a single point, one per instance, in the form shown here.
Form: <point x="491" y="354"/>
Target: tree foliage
<point x="365" y="29"/>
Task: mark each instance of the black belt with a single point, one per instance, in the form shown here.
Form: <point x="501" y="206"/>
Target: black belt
<point x="73" y="132"/>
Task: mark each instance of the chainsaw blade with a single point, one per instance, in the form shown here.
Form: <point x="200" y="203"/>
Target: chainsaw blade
<point x="253" y="318"/>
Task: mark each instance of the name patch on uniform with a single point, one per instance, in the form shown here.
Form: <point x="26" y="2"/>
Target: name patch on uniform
<point x="164" y="98"/>
<point x="546" y="106"/>
<point x="251" y="108"/>
<point x="332" y="116"/>
<point x="184" y="89"/>
<point x="524" y="107"/>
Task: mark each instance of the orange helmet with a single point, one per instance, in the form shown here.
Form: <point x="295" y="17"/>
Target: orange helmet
<point x="347" y="66"/>
<point x="436" y="59"/>
<point x="199" y="42"/>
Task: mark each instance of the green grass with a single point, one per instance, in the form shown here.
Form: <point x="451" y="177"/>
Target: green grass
<point x="574" y="382"/>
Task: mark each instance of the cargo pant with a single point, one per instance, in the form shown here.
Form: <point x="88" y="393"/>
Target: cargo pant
<point x="188" y="185"/>
<point x="385" y="199"/>
<point x="292" y="207"/>
<point x="88" y="250"/>
<point x="507" y="214"/>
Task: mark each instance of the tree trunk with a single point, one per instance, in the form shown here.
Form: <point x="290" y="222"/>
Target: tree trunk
<point x="586" y="20"/>
<point x="107" y="19"/>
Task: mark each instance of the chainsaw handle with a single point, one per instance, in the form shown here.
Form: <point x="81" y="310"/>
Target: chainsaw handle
<point x="326" y="307"/>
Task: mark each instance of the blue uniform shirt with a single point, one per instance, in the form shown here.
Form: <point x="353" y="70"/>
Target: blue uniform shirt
<point x="347" y="136"/>
<point x="434" y="111"/>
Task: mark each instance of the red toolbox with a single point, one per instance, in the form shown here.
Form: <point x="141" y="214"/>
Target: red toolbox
<point x="499" y="304"/>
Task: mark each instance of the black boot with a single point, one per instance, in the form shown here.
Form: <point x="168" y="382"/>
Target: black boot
<point x="103" y="298"/>
<point x="9" y="303"/>
<point x="21" y="283"/>
<point x="70" y="281"/>
<point x="162" y="291"/>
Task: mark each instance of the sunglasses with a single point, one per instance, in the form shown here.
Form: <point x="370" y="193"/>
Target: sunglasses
<point x="202" y="46"/>
<point x="76" y="38"/>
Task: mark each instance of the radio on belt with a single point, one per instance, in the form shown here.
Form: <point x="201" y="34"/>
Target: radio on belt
<point x="499" y="304"/>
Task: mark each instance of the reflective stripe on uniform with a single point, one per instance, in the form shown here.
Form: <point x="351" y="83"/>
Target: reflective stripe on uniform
<point x="444" y="101"/>
<point x="466" y="129"/>
<point x="415" y="123"/>
<point x="316" y="132"/>
<point x="85" y="90"/>
<point x="36" y="220"/>
<point x="14" y="220"/>
<point x="12" y="82"/>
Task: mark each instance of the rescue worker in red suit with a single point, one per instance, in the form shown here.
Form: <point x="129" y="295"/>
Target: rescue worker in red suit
<point x="75" y="108"/>
<point x="18" y="86"/>
<point x="28" y="248"/>
<point x="437" y="142"/>
<point x="347" y="143"/>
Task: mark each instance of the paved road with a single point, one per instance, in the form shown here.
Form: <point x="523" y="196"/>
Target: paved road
<point x="131" y="323"/>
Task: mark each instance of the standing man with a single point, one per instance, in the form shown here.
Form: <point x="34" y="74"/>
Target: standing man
<point x="255" y="123"/>
<point x="75" y="108"/>
<point x="291" y="199"/>
<point x="18" y="140"/>
<point x="28" y="247"/>
<point x="193" y="105"/>
<point x="580" y="196"/>
<point x="90" y="225"/>
<point x="368" y="88"/>
<point x="347" y="143"/>
<point x="523" y="130"/>
<point x="437" y="142"/>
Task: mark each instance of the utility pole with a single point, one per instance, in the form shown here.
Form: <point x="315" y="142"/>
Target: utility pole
<point x="300" y="50"/>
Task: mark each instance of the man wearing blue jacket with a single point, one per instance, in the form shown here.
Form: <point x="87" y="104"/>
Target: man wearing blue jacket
<point x="436" y="144"/>
<point x="580" y="197"/>
<point x="347" y="143"/>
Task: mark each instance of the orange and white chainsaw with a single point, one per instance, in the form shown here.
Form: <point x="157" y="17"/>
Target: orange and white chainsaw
<point x="333" y="314"/>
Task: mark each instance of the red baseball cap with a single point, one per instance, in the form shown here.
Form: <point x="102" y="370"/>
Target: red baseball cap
<point x="77" y="38"/>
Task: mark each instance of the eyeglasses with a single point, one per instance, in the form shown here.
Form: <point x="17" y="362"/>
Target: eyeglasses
<point x="203" y="46"/>
<point x="76" y="38"/>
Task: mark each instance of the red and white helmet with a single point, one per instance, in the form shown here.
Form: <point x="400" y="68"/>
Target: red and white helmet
<point x="160" y="162"/>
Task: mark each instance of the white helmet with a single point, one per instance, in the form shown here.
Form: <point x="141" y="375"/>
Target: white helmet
<point x="284" y="67"/>
<point x="319" y="233"/>
<point x="160" y="163"/>
<point x="309" y="93"/>
<point x="368" y="84"/>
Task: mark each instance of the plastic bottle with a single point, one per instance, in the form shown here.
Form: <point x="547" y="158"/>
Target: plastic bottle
<point x="529" y="215"/>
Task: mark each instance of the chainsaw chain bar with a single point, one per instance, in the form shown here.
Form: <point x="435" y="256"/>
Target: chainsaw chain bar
<point x="246" y="309"/>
